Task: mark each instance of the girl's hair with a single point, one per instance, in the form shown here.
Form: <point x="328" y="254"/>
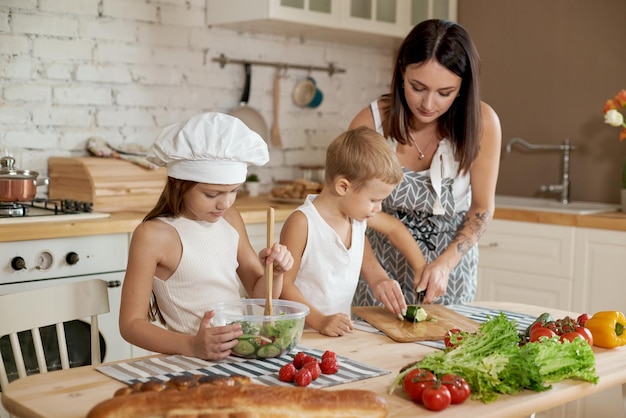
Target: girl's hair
<point x="361" y="155"/>
<point x="450" y="45"/>
<point x="170" y="202"/>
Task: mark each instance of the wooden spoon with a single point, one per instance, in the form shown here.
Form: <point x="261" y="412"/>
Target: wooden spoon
<point x="275" y="131"/>
<point x="269" y="268"/>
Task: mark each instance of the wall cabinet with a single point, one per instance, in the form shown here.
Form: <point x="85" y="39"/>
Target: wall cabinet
<point x="378" y="23"/>
<point x="575" y="269"/>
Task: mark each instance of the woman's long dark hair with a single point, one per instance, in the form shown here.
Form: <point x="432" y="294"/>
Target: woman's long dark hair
<point x="450" y="45"/>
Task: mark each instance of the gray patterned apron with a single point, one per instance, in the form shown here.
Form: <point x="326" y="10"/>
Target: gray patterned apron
<point x="412" y="202"/>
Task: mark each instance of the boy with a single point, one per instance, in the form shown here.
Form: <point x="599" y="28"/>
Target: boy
<point x="326" y="234"/>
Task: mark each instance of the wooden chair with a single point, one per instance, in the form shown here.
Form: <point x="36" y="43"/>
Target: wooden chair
<point x="35" y="309"/>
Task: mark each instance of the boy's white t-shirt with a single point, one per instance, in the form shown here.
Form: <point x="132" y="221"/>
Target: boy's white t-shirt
<point x="329" y="272"/>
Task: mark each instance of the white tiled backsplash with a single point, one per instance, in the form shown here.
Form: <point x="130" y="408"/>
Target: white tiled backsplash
<point x="122" y="69"/>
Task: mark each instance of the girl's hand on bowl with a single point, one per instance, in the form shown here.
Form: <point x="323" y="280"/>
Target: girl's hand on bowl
<point x="213" y="343"/>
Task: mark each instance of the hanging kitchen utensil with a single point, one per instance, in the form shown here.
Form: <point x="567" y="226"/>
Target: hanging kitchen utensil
<point x="248" y="115"/>
<point x="269" y="268"/>
<point x="275" y="132"/>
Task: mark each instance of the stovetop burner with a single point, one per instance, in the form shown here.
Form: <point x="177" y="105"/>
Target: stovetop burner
<point x="43" y="207"/>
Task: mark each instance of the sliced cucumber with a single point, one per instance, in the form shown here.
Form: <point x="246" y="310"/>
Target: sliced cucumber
<point x="415" y="313"/>
<point x="244" y="348"/>
<point x="268" y="351"/>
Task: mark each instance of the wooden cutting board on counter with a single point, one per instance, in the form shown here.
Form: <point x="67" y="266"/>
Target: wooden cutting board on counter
<point x="407" y="332"/>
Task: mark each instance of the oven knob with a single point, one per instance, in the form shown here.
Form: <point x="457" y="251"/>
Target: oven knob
<point x="72" y="258"/>
<point x="18" y="263"/>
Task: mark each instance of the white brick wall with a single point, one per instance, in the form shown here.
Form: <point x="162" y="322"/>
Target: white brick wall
<point x="122" y="69"/>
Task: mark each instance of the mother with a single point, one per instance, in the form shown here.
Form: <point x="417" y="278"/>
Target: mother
<point x="448" y="142"/>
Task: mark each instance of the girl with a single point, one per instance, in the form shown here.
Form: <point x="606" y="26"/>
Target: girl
<point x="192" y="250"/>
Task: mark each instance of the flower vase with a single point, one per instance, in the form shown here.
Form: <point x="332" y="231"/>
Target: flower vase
<point x="253" y="188"/>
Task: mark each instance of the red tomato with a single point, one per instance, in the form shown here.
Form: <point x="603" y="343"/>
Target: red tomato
<point x="586" y="333"/>
<point x="314" y="368"/>
<point x="552" y="326"/>
<point x="536" y="325"/>
<point x="287" y="372"/>
<point x="570" y="336"/>
<point x="416" y="381"/>
<point x="541" y="332"/>
<point x="303" y="377"/>
<point x="457" y="386"/>
<point x="582" y="319"/>
<point x="436" y="397"/>
<point x="451" y="339"/>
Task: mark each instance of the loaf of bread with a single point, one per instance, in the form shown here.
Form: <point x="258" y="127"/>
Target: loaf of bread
<point x="298" y="189"/>
<point x="242" y="400"/>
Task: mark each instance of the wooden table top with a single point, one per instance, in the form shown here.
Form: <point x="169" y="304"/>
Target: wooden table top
<point x="72" y="393"/>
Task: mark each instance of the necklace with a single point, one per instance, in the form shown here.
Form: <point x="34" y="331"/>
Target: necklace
<point x="421" y="155"/>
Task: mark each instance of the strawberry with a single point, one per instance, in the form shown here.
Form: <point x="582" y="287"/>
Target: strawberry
<point x="303" y="377"/>
<point x="329" y="354"/>
<point x="287" y="373"/>
<point x="314" y="368"/>
<point x="298" y="359"/>
<point x="309" y="359"/>
<point x="329" y="366"/>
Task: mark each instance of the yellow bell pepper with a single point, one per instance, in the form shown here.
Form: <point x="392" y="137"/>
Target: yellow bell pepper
<point x="607" y="328"/>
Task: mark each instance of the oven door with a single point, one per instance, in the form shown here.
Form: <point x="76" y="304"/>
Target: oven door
<point x="77" y="332"/>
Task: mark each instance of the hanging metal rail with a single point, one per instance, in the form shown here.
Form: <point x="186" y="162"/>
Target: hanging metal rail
<point x="330" y="69"/>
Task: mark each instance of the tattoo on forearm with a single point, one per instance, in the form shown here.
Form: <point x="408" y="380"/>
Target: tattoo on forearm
<point x="471" y="230"/>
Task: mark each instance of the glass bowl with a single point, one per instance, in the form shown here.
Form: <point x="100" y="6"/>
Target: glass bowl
<point x="263" y="336"/>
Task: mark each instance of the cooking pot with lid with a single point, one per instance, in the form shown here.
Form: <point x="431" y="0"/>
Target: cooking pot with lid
<point x="18" y="185"/>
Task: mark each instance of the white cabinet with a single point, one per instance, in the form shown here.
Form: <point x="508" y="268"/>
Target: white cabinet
<point x="377" y="23"/>
<point x="601" y="269"/>
<point x="575" y="269"/>
<point x="601" y="266"/>
<point x="527" y="263"/>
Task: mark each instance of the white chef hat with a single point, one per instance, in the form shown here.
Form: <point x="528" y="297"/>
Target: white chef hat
<point x="209" y="148"/>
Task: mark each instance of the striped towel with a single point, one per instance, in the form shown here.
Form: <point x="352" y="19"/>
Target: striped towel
<point x="260" y="371"/>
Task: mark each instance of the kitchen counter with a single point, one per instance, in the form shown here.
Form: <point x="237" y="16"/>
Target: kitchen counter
<point x="71" y="393"/>
<point x="253" y="210"/>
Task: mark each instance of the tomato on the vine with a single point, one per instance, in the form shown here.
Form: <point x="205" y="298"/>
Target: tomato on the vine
<point x="541" y="332"/>
<point x="436" y="397"/>
<point x="586" y="333"/>
<point x="457" y="386"/>
<point x="570" y="336"/>
<point x="582" y="319"/>
<point x="416" y="381"/>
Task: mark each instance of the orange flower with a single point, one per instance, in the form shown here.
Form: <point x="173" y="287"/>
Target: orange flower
<point x="621" y="98"/>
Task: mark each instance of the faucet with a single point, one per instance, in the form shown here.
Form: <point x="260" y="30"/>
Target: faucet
<point x="564" y="188"/>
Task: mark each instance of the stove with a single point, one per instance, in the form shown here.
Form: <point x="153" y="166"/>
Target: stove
<point x="47" y="210"/>
<point x="41" y="263"/>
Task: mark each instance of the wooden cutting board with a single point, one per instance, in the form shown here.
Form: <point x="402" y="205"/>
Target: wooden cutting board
<point x="406" y="332"/>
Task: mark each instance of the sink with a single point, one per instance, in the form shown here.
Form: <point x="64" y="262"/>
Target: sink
<point x="552" y="205"/>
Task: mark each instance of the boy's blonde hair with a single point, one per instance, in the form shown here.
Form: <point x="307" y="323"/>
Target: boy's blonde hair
<point x="361" y="155"/>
